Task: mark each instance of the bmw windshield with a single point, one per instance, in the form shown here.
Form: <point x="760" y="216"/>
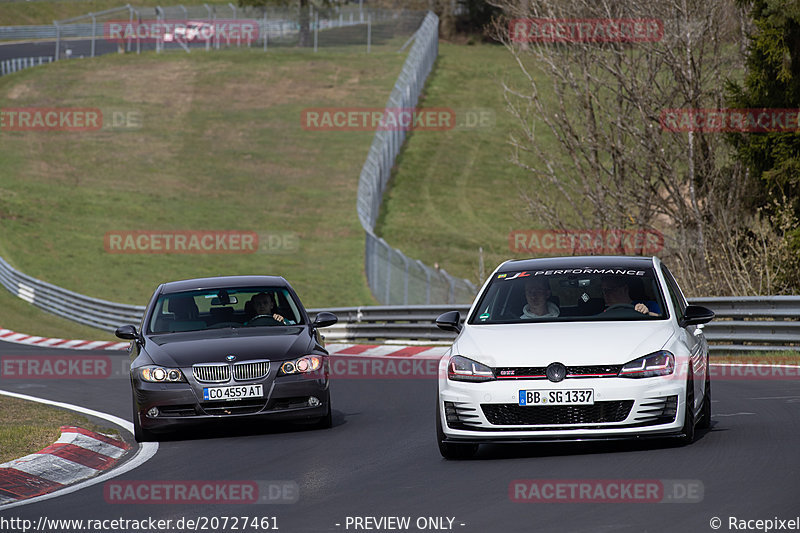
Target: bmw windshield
<point x="218" y="308"/>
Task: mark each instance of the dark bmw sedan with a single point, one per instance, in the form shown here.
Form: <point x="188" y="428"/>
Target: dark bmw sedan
<point x="227" y="347"/>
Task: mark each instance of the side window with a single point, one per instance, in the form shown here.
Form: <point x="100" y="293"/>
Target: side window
<point x="675" y="295"/>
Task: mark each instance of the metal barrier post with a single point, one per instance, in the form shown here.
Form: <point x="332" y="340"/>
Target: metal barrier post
<point x="369" y="33"/>
<point x="94" y="31"/>
<point x="316" y="29"/>
<point x="266" y="31"/>
<point x="58" y="39"/>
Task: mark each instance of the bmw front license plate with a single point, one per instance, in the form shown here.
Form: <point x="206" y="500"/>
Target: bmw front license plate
<point x="233" y="393"/>
<point x="556" y="397"/>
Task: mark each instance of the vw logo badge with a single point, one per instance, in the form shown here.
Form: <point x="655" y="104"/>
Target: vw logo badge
<point x="556" y="372"/>
<point x="230" y="358"/>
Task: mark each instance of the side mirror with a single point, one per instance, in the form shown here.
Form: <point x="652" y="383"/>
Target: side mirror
<point x="449" y="321"/>
<point x="324" y="319"/>
<point x="695" y="314"/>
<point x="127" y="332"/>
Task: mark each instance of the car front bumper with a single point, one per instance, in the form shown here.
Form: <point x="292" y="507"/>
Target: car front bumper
<point x="181" y="404"/>
<point x="623" y="408"/>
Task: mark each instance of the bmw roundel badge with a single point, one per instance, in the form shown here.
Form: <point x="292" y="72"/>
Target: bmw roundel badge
<point x="230" y="358"/>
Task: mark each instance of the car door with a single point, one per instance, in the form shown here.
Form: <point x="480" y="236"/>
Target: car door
<point x="691" y="336"/>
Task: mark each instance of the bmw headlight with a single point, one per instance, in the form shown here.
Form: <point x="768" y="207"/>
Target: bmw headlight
<point x="661" y="363"/>
<point x="160" y="374"/>
<point x="462" y="369"/>
<point x="302" y="365"/>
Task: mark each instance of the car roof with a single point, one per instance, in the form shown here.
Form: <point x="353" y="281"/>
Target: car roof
<point x="223" y="282"/>
<point x="589" y="261"/>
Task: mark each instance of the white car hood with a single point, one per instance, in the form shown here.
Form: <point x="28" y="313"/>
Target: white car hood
<point x="570" y="343"/>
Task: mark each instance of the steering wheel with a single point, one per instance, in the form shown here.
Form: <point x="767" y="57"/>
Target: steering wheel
<point x="619" y="306"/>
<point x="264" y="320"/>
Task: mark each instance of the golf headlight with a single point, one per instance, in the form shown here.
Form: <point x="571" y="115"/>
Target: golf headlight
<point x="661" y="363"/>
<point x="159" y="374"/>
<point x="462" y="369"/>
<point x="303" y="365"/>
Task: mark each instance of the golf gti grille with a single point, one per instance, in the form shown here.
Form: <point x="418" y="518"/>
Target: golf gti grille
<point x="510" y="414"/>
<point x="250" y="370"/>
<point x="538" y="372"/>
<point x="212" y="373"/>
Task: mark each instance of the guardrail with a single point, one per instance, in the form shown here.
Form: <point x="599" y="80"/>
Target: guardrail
<point x="757" y="323"/>
<point x="746" y="323"/>
<point x="93" y="312"/>
<point x="20" y="63"/>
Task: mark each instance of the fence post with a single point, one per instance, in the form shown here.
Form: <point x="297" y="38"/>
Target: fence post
<point x="94" y="31"/>
<point x="405" y="281"/>
<point x="316" y="29"/>
<point x="159" y="40"/>
<point x="388" y="270"/>
<point x="266" y="31"/>
<point x="58" y="39"/>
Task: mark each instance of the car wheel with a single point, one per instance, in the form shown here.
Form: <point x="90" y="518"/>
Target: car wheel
<point x="705" y="414"/>
<point x="140" y="434"/>
<point x="450" y="450"/>
<point x="688" y="416"/>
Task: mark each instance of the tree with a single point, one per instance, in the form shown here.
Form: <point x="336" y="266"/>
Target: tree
<point x="590" y="132"/>
<point x="773" y="81"/>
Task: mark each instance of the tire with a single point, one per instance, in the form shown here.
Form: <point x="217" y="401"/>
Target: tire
<point x="450" y="450"/>
<point x="140" y="434"/>
<point x="705" y="413"/>
<point x="689" y="421"/>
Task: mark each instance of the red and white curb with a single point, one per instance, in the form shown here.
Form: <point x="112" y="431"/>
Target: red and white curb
<point x="31" y="340"/>
<point x="350" y="350"/>
<point x="386" y="350"/>
<point x="77" y="455"/>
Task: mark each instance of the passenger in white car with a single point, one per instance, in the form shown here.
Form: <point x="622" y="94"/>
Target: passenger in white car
<point x="537" y="294"/>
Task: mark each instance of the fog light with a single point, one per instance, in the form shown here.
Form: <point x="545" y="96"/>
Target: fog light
<point x="152" y="412"/>
<point x="314" y="402"/>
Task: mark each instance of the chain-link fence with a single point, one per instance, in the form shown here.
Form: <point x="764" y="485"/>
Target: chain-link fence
<point x="186" y="28"/>
<point x="394" y="278"/>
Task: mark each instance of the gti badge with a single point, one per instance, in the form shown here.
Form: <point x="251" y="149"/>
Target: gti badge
<point x="556" y="372"/>
<point x="230" y="358"/>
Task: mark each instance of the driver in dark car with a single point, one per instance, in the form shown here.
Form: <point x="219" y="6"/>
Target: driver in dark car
<point x="264" y="307"/>
<point x="616" y="293"/>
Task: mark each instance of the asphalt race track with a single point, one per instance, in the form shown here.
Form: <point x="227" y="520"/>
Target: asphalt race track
<point x="380" y="460"/>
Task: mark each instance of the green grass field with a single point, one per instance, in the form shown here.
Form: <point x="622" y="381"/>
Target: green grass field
<point x="456" y="191"/>
<point x="220" y="147"/>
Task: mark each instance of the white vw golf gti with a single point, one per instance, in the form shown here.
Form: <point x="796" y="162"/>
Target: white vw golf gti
<point x="574" y="348"/>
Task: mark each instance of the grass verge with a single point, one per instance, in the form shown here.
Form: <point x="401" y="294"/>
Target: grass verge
<point x="456" y="191"/>
<point x="27" y="427"/>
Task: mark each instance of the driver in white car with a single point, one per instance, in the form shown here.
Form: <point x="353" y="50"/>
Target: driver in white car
<point x="617" y="293"/>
